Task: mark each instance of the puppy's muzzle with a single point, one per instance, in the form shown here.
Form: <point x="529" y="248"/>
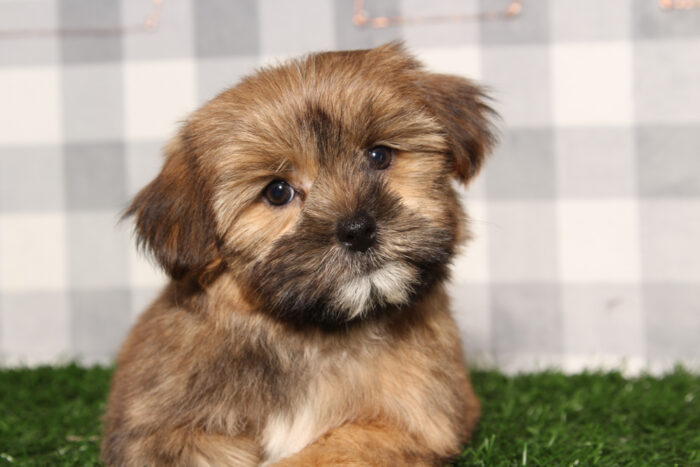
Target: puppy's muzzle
<point x="357" y="232"/>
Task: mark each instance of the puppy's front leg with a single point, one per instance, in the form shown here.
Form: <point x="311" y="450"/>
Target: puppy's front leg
<point x="363" y="444"/>
<point x="184" y="448"/>
<point x="216" y="450"/>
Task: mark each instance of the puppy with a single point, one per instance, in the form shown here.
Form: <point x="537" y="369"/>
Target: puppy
<point x="307" y="218"/>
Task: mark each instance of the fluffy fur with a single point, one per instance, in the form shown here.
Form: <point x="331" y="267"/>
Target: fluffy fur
<point x="274" y="343"/>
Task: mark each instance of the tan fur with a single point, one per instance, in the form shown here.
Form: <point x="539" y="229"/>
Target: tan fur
<point x="274" y="344"/>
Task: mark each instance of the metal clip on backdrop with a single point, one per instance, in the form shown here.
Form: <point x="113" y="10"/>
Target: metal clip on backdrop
<point x="362" y="18"/>
<point x="679" y="4"/>
<point x="148" y="25"/>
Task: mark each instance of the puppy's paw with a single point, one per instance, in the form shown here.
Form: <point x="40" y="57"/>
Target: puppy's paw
<point x="362" y="445"/>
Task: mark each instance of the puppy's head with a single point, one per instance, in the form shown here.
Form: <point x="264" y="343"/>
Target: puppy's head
<point x="324" y="186"/>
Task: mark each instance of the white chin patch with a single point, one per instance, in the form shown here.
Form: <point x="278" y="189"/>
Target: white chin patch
<point x="354" y="296"/>
<point x="391" y="282"/>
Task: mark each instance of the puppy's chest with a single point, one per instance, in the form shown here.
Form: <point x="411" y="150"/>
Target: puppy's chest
<point x="329" y="394"/>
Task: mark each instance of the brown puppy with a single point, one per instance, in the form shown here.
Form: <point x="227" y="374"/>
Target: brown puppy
<point x="307" y="219"/>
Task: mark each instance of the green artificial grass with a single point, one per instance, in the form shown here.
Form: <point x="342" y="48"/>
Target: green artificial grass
<point x="52" y="417"/>
<point x="587" y="419"/>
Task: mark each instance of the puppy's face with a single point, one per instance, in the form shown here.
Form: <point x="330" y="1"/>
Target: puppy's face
<point x="323" y="186"/>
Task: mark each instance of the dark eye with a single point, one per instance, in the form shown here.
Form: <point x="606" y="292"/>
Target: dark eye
<point x="380" y="157"/>
<point x="278" y="193"/>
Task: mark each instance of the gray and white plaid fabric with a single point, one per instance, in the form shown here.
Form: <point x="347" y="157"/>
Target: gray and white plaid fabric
<point x="587" y="218"/>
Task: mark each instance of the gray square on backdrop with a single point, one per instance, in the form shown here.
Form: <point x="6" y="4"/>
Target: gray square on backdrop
<point x="93" y="102"/>
<point x="23" y="49"/>
<point x="35" y="327"/>
<point x="526" y="319"/>
<point x="97" y="250"/>
<point x="31" y="178"/>
<point x="444" y="33"/>
<point x="603" y="319"/>
<point x="471" y="308"/>
<point x="522" y="165"/>
<point x="171" y="39"/>
<point x="475" y="188"/>
<point x="531" y="26"/>
<point x="650" y="21"/>
<point x="519" y="79"/>
<point x="100" y="320"/>
<point x="668" y="160"/>
<point x="666" y="77"/>
<point x="522" y="241"/>
<point x="309" y="22"/>
<point x="141" y="299"/>
<point x="100" y="15"/>
<point x="143" y="162"/>
<point x="672" y="320"/>
<point x="215" y="75"/>
<point x="595" y="162"/>
<point x="670" y="230"/>
<point x="223" y="27"/>
<point x="591" y="20"/>
<point x="350" y="36"/>
<point x="95" y="175"/>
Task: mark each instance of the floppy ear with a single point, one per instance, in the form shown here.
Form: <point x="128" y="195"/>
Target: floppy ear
<point x="459" y="105"/>
<point x="174" y="218"/>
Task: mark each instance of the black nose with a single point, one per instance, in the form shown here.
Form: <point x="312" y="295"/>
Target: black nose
<point x="357" y="232"/>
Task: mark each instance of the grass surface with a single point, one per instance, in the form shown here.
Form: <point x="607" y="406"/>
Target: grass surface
<point x="52" y="417"/>
<point x="587" y="419"/>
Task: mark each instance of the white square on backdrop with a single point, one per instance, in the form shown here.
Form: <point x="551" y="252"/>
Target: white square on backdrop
<point x="98" y="246"/>
<point x="592" y="83"/>
<point x="143" y="270"/>
<point x="32" y="252"/>
<point x="464" y="60"/>
<point x="158" y="96"/>
<point x="599" y="240"/>
<point x="30" y="103"/>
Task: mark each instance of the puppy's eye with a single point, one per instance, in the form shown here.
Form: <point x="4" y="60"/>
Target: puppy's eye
<point x="278" y="193"/>
<point x="380" y="157"/>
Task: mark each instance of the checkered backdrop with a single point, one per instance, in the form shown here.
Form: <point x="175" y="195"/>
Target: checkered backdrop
<point x="587" y="217"/>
